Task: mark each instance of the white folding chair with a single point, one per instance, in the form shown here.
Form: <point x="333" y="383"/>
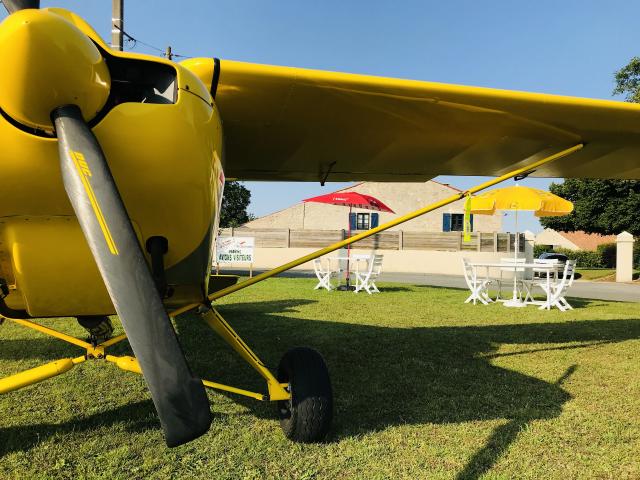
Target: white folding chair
<point x="555" y="288"/>
<point x="479" y="290"/>
<point x="539" y="278"/>
<point x="559" y="290"/>
<point x="323" y="274"/>
<point x="507" y="272"/>
<point x="366" y="280"/>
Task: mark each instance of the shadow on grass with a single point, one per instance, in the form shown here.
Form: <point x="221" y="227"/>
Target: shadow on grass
<point x="440" y="287"/>
<point x="501" y="438"/>
<point x="137" y="417"/>
<point x="575" y="302"/>
<point x="386" y="288"/>
<point x="386" y="376"/>
<point x="382" y="376"/>
<point x="47" y="349"/>
<point x="43" y="348"/>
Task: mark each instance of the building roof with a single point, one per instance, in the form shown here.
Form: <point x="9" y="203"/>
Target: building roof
<point x="587" y="241"/>
<point x="403" y="197"/>
<point x="351" y="188"/>
<point x="446" y="185"/>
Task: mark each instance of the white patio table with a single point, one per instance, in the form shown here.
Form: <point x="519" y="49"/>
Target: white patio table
<point x="354" y="256"/>
<point x="337" y="260"/>
<point x="551" y="269"/>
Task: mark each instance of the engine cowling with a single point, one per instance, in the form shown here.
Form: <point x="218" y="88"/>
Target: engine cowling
<point x="48" y="62"/>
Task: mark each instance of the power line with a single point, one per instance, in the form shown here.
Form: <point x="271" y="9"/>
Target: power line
<point x="134" y="41"/>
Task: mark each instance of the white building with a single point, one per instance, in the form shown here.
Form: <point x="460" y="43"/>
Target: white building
<point x="402" y="198"/>
<point x="572" y="240"/>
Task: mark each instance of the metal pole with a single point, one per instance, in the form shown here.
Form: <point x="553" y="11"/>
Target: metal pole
<point x="349" y="246"/>
<point x="168" y="53"/>
<point x="515" y="261"/>
<point x="117" y="23"/>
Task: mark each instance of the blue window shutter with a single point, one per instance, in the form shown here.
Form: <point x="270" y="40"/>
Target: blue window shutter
<point x="471" y="222"/>
<point x="446" y="222"/>
<point x="374" y="220"/>
<point x="352" y="221"/>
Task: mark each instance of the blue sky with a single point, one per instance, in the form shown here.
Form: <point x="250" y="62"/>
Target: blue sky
<point x="567" y="47"/>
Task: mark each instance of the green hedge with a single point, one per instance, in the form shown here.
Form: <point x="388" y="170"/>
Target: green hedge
<point x="607" y="253"/>
<point x="603" y="257"/>
<point x="540" y="249"/>
<point x="583" y="258"/>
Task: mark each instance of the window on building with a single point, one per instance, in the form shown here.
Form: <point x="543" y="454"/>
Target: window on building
<point x="454" y="222"/>
<point x="362" y="221"/>
<point x="457" y="222"/>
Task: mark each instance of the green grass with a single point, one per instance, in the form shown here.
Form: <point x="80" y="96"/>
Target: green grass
<point x="594" y="273"/>
<point x="604" y="274"/>
<point x="425" y="387"/>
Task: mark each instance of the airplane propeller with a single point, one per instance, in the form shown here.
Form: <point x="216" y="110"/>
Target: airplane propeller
<point x="13" y="6"/>
<point x="76" y="87"/>
<point x="179" y="397"/>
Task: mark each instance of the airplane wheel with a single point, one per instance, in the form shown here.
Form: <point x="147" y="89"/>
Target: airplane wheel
<point x="99" y="327"/>
<point x="306" y="417"/>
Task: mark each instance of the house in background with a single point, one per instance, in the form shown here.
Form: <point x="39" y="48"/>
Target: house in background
<point x="402" y="198"/>
<point x="572" y="240"/>
<point x="432" y="243"/>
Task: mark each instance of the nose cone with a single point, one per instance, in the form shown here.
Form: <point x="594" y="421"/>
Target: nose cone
<point x="47" y="62"/>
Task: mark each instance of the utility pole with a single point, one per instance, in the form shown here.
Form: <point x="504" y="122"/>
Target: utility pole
<point x="168" y="53"/>
<point x="117" y="23"/>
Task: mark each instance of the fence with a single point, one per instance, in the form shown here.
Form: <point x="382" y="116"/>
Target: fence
<point x="390" y="240"/>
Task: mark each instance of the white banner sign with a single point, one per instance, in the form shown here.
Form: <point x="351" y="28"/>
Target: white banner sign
<point x="234" y="249"/>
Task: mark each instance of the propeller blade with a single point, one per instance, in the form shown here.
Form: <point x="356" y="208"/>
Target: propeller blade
<point x="179" y="397"/>
<point x="13" y="6"/>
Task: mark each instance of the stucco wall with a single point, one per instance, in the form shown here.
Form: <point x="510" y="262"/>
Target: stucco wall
<point x="407" y="261"/>
<point x="551" y="237"/>
<point x="400" y="197"/>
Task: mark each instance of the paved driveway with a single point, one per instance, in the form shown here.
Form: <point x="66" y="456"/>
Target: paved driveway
<point x="622" y="292"/>
<point x="625" y="292"/>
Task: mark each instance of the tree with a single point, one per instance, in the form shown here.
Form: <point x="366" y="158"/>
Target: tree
<point x="235" y="201"/>
<point x="600" y="206"/>
<point x="603" y="206"/>
<point x="628" y="81"/>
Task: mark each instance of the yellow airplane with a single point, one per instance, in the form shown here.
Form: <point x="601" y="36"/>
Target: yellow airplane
<point x="111" y="172"/>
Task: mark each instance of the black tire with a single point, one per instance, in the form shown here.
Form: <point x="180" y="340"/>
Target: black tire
<point x="307" y="416"/>
<point x="99" y="327"/>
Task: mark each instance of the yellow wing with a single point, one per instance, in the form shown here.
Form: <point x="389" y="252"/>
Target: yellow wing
<point x="285" y="123"/>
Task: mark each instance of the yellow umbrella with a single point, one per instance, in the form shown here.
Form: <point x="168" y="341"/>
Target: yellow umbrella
<point x="518" y="198"/>
<point x="543" y="204"/>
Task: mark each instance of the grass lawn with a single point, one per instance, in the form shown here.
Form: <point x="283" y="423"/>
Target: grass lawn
<point x="425" y="387"/>
<point x="605" y="274"/>
<point x="594" y="273"/>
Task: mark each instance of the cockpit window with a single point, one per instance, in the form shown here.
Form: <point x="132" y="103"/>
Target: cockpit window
<point x="141" y="81"/>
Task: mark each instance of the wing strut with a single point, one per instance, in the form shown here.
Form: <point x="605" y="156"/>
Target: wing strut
<point x="385" y="226"/>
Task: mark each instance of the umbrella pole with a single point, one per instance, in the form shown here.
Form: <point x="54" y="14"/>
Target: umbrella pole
<point x="515" y="300"/>
<point x="348" y="248"/>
